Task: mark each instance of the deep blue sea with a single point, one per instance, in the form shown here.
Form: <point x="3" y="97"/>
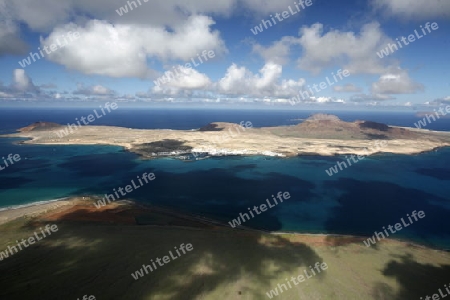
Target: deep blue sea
<point x="376" y="192"/>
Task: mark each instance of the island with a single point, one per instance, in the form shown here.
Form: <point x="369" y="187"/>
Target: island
<point x="320" y="134"/>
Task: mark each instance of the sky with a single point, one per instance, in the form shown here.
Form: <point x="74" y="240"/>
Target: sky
<point x="280" y="53"/>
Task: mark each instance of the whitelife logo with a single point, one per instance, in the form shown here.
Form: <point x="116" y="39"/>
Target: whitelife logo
<point x="166" y="259"/>
<point x="281" y="17"/>
<point x="128" y="189"/>
<point x="439" y="296"/>
<point x="341" y="74"/>
<point x="53" y="47"/>
<point x="391" y="48"/>
<point x="11" y="158"/>
<point x="180" y="71"/>
<point x="237" y="222"/>
<point x="379" y="235"/>
<point x="300" y="278"/>
<point x="355" y="158"/>
<point x="86" y="297"/>
<point x="124" y="9"/>
<point x="31" y="240"/>
<point x="423" y="122"/>
<point x="91" y="118"/>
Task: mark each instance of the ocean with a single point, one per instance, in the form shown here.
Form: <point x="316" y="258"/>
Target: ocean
<point x="376" y="192"/>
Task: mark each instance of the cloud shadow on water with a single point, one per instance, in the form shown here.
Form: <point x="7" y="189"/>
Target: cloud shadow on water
<point x="215" y="193"/>
<point x="99" y="164"/>
<point x="367" y="206"/>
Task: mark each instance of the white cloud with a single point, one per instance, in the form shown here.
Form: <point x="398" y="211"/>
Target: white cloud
<point x="187" y="78"/>
<point x="4" y="95"/>
<point x="396" y="81"/>
<point x="237" y="83"/>
<point x="414" y="9"/>
<point x="22" y="83"/>
<point x="324" y="100"/>
<point x="95" y="90"/>
<point x="45" y="14"/>
<point x="349" y="50"/>
<point x="21" y="87"/>
<point x="240" y="81"/>
<point x="278" y="52"/>
<point x="183" y="82"/>
<point x="122" y="50"/>
<point x="355" y="52"/>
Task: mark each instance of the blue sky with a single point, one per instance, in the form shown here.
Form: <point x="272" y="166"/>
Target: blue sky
<point x="121" y="56"/>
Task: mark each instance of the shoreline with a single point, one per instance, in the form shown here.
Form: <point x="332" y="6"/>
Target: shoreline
<point x="9" y="214"/>
<point x="37" y="203"/>
<point x="42" y="207"/>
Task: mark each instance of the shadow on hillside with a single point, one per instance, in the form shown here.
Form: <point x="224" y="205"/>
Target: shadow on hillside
<point x="416" y="280"/>
<point x="98" y="260"/>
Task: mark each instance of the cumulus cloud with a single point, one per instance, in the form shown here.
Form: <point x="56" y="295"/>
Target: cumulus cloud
<point x="396" y="81"/>
<point x="237" y="83"/>
<point x="347" y="88"/>
<point x="181" y="81"/>
<point x="414" y="9"/>
<point x="186" y="78"/>
<point x="354" y="52"/>
<point x="347" y="49"/>
<point x="45" y="14"/>
<point x="22" y="83"/>
<point x="278" y="52"/>
<point x="21" y="86"/>
<point x="95" y="90"/>
<point x="240" y="81"/>
<point x="122" y="50"/>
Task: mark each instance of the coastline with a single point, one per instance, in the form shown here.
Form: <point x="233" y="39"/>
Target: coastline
<point x="43" y="202"/>
<point x="11" y="213"/>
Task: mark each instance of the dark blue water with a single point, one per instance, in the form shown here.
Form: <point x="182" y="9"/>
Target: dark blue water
<point x="376" y="192"/>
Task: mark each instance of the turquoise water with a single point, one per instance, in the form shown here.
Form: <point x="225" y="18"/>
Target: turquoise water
<point x="376" y="192"/>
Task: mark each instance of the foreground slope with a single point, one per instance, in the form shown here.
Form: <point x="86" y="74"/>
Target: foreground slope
<point x="96" y="251"/>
